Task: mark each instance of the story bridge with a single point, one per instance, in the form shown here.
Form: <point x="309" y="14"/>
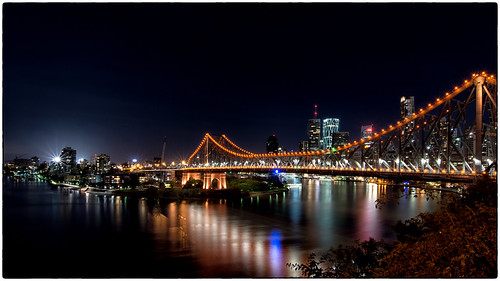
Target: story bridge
<point x="453" y="138"/>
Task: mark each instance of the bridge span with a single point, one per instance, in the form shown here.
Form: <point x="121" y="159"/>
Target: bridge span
<point x="453" y="138"/>
<point x="394" y="175"/>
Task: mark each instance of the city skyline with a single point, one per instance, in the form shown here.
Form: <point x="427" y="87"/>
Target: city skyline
<point x="116" y="78"/>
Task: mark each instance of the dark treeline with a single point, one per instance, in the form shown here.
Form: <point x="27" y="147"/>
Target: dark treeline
<point x="458" y="240"/>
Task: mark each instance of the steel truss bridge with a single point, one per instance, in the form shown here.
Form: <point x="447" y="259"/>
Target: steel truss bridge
<point x="452" y="138"/>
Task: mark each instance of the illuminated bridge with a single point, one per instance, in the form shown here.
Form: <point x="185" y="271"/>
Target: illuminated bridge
<point x="452" y="138"/>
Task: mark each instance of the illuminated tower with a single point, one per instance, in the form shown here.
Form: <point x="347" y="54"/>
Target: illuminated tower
<point x="330" y="126"/>
<point x="314" y="131"/>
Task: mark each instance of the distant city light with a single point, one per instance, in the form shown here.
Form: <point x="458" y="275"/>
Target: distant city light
<point x="57" y="159"/>
<point x="134" y="160"/>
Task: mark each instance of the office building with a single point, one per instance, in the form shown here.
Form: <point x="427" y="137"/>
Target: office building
<point x="102" y="164"/>
<point x="272" y="144"/>
<point x="68" y="160"/>
<point x="407" y="105"/>
<point x="340" y="138"/>
<point x="314" y="131"/>
<point x="314" y="134"/>
<point x="330" y="126"/>
<point x="303" y="146"/>
<point x="366" y="131"/>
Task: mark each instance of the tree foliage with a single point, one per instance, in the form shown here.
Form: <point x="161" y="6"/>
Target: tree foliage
<point x="246" y="184"/>
<point x="192" y="183"/>
<point x="346" y="261"/>
<point x="459" y="240"/>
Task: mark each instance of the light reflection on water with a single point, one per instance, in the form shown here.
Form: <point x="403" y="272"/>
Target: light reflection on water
<point x="253" y="237"/>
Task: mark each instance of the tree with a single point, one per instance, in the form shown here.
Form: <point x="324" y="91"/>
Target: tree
<point x="459" y="240"/>
<point x="346" y="261"/>
<point x="192" y="183"/>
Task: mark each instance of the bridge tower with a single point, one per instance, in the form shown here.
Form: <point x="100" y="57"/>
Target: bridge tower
<point x="478" y="145"/>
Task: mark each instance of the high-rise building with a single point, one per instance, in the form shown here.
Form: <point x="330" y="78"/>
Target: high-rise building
<point x="102" y="164"/>
<point x="314" y="131"/>
<point x="407" y="105"/>
<point x="34" y="161"/>
<point x="366" y="131"/>
<point x="330" y="126"/>
<point x="68" y="160"/>
<point x="303" y="146"/>
<point x="340" y="138"/>
<point x="272" y="144"/>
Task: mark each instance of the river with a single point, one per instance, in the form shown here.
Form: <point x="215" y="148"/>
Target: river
<point x="50" y="232"/>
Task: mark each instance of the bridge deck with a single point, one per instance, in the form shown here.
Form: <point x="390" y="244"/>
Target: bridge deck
<point x="425" y="176"/>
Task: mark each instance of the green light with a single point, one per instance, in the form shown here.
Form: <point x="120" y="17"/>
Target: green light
<point x="333" y="149"/>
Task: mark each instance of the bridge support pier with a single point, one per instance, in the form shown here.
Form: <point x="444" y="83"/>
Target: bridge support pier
<point x="208" y="179"/>
<point x="187" y="176"/>
<point x="220" y="180"/>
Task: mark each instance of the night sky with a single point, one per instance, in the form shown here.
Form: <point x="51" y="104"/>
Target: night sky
<point x="117" y="78"/>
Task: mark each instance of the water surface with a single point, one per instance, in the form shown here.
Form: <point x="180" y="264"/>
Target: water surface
<point x="49" y="232"/>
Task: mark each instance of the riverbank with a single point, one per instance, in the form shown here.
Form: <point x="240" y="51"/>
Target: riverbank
<point x="179" y="194"/>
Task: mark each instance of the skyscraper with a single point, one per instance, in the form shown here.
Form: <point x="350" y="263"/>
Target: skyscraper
<point x="102" y="164"/>
<point x="303" y="146"/>
<point x="340" y="138"/>
<point x="314" y="131"/>
<point x="272" y="144"/>
<point x="330" y="126"/>
<point x="407" y="105"/>
<point x="367" y="131"/>
<point x="68" y="159"/>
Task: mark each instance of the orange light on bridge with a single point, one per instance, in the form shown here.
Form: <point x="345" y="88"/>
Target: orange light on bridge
<point x="434" y="170"/>
<point x="395" y="170"/>
<point x="425" y="170"/>
<point x="473" y="172"/>
<point x="452" y="171"/>
<point x="443" y="171"/>
<point x="417" y="170"/>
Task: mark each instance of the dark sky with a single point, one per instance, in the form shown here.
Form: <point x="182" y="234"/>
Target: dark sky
<point x="116" y="78"/>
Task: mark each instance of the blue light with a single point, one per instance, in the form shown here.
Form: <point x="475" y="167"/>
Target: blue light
<point x="276" y="171"/>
